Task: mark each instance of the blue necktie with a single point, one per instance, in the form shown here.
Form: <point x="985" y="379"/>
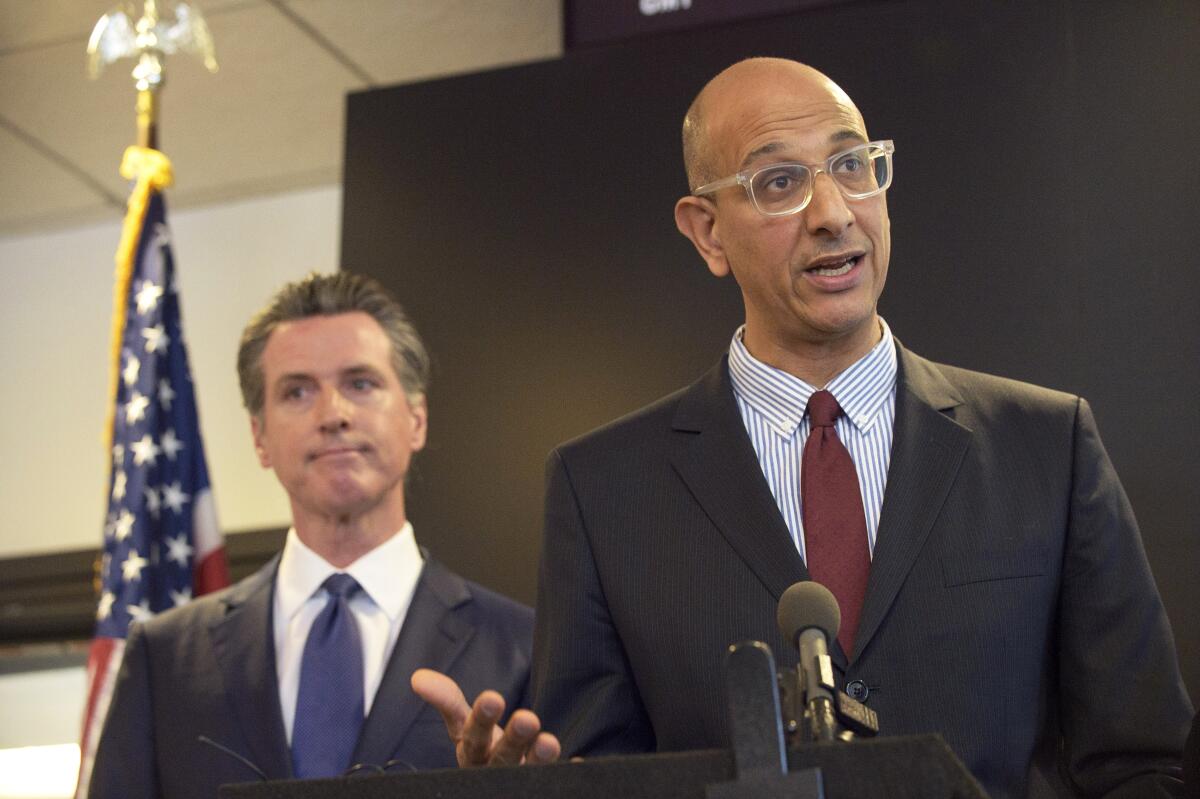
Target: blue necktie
<point x="329" y="704"/>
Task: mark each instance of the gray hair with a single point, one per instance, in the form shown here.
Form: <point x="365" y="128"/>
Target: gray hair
<point x="329" y="295"/>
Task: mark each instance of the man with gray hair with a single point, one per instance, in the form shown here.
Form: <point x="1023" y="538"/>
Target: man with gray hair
<point x="303" y="668"/>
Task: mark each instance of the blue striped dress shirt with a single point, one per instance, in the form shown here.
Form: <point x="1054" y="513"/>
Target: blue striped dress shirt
<point x="772" y="404"/>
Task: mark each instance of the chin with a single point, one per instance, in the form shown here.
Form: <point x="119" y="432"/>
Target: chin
<point x="838" y="321"/>
<point x="344" y="502"/>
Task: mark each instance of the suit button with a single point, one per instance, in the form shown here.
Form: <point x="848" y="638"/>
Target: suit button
<point x="857" y="689"/>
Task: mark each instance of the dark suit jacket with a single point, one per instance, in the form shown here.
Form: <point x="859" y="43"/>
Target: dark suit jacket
<point x="1010" y="607"/>
<point x="208" y="668"/>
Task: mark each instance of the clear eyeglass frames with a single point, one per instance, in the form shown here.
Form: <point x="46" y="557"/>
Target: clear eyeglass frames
<point x="781" y="189"/>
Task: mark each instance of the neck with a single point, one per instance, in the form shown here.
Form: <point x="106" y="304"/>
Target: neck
<point x="814" y="360"/>
<point x="342" y="539"/>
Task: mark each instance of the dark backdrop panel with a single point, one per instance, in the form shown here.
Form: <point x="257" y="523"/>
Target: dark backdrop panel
<point x="1045" y="226"/>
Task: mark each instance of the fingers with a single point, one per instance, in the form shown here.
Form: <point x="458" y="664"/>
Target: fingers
<point x="518" y="737"/>
<point x="480" y="731"/>
<point x="524" y="742"/>
<point x="444" y="694"/>
<point x="475" y="730"/>
<point x="545" y="749"/>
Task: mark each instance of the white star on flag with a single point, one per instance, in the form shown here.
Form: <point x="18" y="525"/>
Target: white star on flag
<point x="135" y="409"/>
<point x="141" y="611"/>
<point x="147" y="297"/>
<point x="106" y="602"/>
<point x="132" y="367"/>
<point x="153" y="503"/>
<point x="118" y="492"/>
<point x="118" y="454"/>
<point x="173" y="497"/>
<point x="124" y="525"/>
<point x="131" y="569"/>
<point x="171" y="445"/>
<point x="181" y="597"/>
<point x="165" y="394"/>
<point x="144" y="450"/>
<point x="179" y="550"/>
<point x="156" y="338"/>
<point x="160" y="236"/>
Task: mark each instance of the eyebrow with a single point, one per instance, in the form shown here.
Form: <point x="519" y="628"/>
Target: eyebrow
<point x="286" y="381"/>
<point x="359" y="369"/>
<point x="845" y="134"/>
<point x="354" y="370"/>
<point x="291" y="377"/>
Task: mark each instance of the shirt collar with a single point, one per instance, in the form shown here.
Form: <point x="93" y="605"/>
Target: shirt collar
<point x="780" y="398"/>
<point x="383" y="572"/>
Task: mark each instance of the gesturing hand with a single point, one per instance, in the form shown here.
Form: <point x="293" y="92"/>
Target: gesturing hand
<point x="475" y="731"/>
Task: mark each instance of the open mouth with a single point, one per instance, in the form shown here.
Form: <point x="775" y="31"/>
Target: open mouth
<point x="835" y="268"/>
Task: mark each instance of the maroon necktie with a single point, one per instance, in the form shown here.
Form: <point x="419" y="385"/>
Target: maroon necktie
<point x="835" y="527"/>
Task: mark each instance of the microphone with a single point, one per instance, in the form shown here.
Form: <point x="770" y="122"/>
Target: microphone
<point x="204" y="739"/>
<point x="808" y="616"/>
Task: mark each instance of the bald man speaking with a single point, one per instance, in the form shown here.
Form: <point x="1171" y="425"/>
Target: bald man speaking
<point x="991" y="577"/>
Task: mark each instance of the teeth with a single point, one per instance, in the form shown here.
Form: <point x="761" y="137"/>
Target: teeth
<point x="830" y="271"/>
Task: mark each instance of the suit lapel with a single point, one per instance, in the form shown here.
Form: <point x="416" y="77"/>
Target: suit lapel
<point x="715" y="458"/>
<point x="434" y="634"/>
<point x="243" y="644"/>
<point x="927" y="450"/>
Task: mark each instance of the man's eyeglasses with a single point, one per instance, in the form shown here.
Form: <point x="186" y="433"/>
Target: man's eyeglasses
<point x="782" y="189"/>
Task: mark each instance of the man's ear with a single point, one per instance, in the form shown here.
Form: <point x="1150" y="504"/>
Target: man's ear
<point x="420" y="413"/>
<point x="696" y="218"/>
<point x="256" y="431"/>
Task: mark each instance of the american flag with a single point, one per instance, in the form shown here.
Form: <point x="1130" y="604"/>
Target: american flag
<point x="161" y="540"/>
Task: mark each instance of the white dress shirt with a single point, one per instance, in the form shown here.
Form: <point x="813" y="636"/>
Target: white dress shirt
<point x="773" y="403"/>
<point x="388" y="575"/>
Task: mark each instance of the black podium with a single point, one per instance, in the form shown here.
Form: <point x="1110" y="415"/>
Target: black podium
<point x="897" y="768"/>
<point x="758" y="764"/>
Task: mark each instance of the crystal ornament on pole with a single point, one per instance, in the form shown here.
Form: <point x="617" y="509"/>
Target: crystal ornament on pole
<point x="165" y="27"/>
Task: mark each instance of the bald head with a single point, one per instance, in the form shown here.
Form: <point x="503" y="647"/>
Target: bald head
<point x="723" y="100"/>
<point x="800" y="316"/>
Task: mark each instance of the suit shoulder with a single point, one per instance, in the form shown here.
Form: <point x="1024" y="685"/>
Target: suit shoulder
<point x="196" y="612"/>
<point x="498" y="606"/>
<point x="1003" y="393"/>
<point x="202" y="611"/>
<point x="504" y="625"/>
<point x="455" y="591"/>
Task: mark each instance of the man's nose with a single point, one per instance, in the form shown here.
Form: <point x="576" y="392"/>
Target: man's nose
<point x="334" y="410"/>
<point x="828" y="210"/>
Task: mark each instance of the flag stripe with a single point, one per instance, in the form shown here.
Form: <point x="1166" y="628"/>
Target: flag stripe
<point x="104" y="658"/>
<point x="212" y="573"/>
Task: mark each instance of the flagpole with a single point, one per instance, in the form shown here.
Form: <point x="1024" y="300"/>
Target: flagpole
<point x="147" y="112"/>
<point x="148" y="75"/>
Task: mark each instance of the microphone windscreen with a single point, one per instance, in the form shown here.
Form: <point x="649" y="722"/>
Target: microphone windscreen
<point x="808" y="604"/>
